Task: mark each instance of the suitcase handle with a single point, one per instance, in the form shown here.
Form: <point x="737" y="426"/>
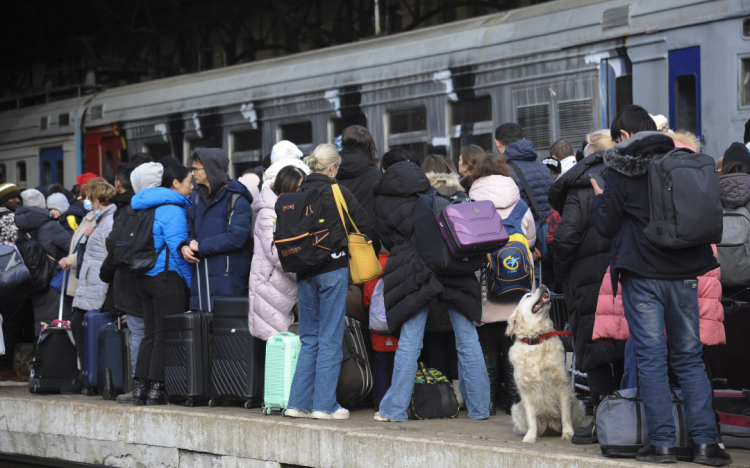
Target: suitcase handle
<point x="208" y="292"/>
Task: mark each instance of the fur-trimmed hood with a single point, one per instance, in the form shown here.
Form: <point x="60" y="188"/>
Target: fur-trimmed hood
<point x="632" y="157"/>
<point x="445" y="184"/>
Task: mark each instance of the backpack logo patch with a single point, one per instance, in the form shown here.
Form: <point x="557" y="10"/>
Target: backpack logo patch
<point x="287" y="207"/>
<point x="511" y="263"/>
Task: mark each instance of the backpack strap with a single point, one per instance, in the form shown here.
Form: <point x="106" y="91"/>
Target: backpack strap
<point x="230" y="207"/>
<point x="536" y="211"/>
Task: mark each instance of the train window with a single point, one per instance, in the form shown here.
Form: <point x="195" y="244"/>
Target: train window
<point x="407" y="120"/>
<point x="247" y="140"/>
<point x="416" y="150"/>
<point x="337" y="125"/>
<point x="685" y="103"/>
<point x="59" y="176"/>
<point x="746" y="27"/>
<point x="158" y="150"/>
<point x="2" y="173"/>
<point x="535" y="123"/>
<point x="108" y="165"/>
<point x="469" y="111"/>
<point x="21" y="175"/>
<point x="745" y="82"/>
<point x="623" y="91"/>
<point x="44" y="123"/>
<point x="299" y="133"/>
<point x="63" y="120"/>
<point x="46" y="173"/>
<point x="486" y="142"/>
<point x="576" y="120"/>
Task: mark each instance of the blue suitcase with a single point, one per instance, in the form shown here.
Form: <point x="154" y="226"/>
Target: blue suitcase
<point x="114" y="371"/>
<point x="93" y="321"/>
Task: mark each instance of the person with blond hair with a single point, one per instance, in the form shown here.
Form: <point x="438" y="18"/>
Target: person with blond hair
<point x="599" y="140"/>
<point x="322" y="298"/>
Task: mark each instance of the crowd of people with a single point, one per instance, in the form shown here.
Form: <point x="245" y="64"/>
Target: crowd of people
<point x="587" y="238"/>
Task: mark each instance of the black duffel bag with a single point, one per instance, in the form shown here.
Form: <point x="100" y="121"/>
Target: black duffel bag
<point x="433" y="396"/>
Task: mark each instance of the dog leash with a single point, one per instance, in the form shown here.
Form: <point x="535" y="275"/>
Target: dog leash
<point x="544" y="337"/>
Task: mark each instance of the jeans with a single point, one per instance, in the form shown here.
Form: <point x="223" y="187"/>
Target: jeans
<point x="651" y="306"/>
<point x="135" y="325"/>
<point x="161" y="295"/>
<point x="473" y="381"/>
<point x="322" y="304"/>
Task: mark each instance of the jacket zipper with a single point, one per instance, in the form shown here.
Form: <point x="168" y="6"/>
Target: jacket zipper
<point x="226" y="273"/>
<point x="271" y="274"/>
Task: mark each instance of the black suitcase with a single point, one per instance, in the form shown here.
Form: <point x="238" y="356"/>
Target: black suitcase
<point x="114" y="371"/>
<point x="187" y="361"/>
<point x="56" y="363"/>
<point x="237" y="358"/>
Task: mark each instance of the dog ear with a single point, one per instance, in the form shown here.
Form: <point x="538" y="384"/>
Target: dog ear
<point x="512" y="323"/>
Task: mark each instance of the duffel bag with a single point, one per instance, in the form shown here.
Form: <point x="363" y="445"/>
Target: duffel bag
<point x="622" y="429"/>
<point x="433" y="396"/>
<point x="733" y="408"/>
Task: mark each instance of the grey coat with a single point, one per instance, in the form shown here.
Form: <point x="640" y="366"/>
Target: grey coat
<point x="735" y="190"/>
<point x="91" y="290"/>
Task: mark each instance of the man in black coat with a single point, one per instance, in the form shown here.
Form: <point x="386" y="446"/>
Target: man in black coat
<point x="581" y="257"/>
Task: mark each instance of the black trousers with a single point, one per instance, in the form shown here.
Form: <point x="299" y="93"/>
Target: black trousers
<point x="76" y="325"/>
<point x="495" y="346"/>
<point x="13" y="307"/>
<point x="604" y="380"/>
<point x="160" y="296"/>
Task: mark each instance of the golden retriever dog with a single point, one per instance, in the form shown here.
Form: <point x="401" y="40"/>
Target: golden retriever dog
<point x="547" y="399"/>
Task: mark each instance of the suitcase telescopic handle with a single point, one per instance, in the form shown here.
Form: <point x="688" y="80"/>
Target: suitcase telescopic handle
<point x="208" y="293"/>
<point x="62" y="294"/>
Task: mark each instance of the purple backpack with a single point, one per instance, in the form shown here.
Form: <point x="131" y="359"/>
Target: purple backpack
<point x="472" y="229"/>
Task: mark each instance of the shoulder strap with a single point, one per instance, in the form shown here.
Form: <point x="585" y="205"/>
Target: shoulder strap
<point x="537" y="212"/>
<point x="230" y="206"/>
<point x="341" y="205"/>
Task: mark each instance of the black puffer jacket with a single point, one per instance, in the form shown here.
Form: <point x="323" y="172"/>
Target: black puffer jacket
<point x="409" y="284"/>
<point x="333" y="220"/>
<point x="359" y="174"/>
<point x="581" y="257"/>
<point x="37" y="222"/>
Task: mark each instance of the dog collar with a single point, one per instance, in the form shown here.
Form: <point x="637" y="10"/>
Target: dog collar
<point x="544" y="337"/>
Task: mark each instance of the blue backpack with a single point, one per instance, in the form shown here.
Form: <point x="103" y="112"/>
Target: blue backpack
<point x="510" y="270"/>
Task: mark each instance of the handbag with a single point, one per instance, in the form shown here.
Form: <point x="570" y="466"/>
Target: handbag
<point x="363" y="263"/>
<point x="433" y="396"/>
<point x="622" y="429"/>
<point x="472" y="229"/>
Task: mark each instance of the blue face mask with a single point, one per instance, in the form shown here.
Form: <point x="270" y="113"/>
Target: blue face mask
<point x="87" y="205"/>
<point x="96" y="212"/>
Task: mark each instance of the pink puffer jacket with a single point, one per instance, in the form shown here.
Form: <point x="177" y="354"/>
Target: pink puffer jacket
<point x="272" y="292"/>
<point x="611" y="325"/>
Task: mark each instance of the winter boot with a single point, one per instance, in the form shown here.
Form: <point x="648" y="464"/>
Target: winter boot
<point x="490" y="361"/>
<point x="587" y="435"/>
<point x="509" y="395"/>
<point x="141" y="391"/>
<point x="156" y="394"/>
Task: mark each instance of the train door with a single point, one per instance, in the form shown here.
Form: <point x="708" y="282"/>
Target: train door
<point x="105" y="147"/>
<point x="51" y="166"/>
<point x="685" y="89"/>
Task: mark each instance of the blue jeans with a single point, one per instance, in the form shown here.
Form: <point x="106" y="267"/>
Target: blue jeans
<point x="472" y="372"/>
<point x="135" y="325"/>
<point x="322" y="304"/>
<point x="651" y="306"/>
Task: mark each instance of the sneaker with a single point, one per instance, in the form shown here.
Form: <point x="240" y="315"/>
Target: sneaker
<point x="294" y="413"/>
<point x="711" y="455"/>
<point x="341" y="413"/>
<point x="380" y="418"/>
<point x="126" y="398"/>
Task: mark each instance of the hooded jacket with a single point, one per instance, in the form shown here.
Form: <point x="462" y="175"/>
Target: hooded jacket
<point x="537" y="175"/>
<point x="92" y="291"/>
<point x="272" y="292"/>
<point x="622" y="212"/>
<point x="359" y="174"/>
<point x="581" y="256"/>
<point x="38" y="223"/>
<point x="170" y="228"/>
<point x="735" y="190"/>
<point x="504" y="194"/>
<point x="146" y="175"/>
<point x="78" y="243"/>
<point x="408" y="284"/>
<point x="445" y="184"/>
<point x="273" y="170"/>
<point x="221" y="235"/>
<point x="72" y="218"/>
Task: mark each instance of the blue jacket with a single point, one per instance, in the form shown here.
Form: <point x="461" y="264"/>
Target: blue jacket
<point x="170" y="226"/>
<point x="221" y="242"/>
<point x="537" y="175"/>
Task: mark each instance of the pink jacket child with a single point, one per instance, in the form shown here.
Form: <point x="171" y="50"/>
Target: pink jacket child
<point x="273" y="293"/>
<point x="610" y="323"/>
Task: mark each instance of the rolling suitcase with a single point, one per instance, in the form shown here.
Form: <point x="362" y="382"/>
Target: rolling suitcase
<point x="93" y="321"/>
<point x="237" y="358"/>
<point x="187" y="361"/>
<point x="282" y="352"/>
<point x="114" y="371"/>
<point x="56" y="363"/>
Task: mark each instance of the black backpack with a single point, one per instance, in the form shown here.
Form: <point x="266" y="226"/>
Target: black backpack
<point x="301" y="236"/>
<point x="431" y="246"/>
<point x="134" y="250"/>
<point x="685" y="200"/>
<point x="41" y="266"/>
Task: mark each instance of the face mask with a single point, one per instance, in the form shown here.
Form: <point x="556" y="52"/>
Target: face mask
<point x="96" y="212"/>
<point x="87" y="205"/>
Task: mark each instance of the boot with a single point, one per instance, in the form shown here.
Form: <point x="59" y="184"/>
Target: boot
<point x="587" y="435"/>
<point x="156" y="394"/>
<point x="490" y="360"/>
<point x="141" y="391"/>
<point x="509" y="395"/>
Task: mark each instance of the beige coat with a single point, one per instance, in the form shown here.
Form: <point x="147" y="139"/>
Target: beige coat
<point x="88" y="221"/>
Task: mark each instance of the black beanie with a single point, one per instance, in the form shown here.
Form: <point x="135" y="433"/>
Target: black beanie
<point x="737" y="152"/>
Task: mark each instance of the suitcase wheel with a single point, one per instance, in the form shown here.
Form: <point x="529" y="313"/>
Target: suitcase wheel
<point x="212" y="403"/>
<point x="248" y="404"/>
<point x="267" y="411"/>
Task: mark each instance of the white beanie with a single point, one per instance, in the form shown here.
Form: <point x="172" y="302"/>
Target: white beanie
<point x="272" y="172"/>
<point x="146" y="175"/>
<point x="59" y="202"/>
<point x="285" y="150"/>
<point x="662" y="123"/>
<point x="33" y="197"/>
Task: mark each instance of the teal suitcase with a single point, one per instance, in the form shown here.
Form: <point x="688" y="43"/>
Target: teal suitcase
<point x="282" y="352"/>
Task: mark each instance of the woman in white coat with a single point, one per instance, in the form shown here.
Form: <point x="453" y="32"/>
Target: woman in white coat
<point x="491" y="179"/>
<point x="273" y="293"/>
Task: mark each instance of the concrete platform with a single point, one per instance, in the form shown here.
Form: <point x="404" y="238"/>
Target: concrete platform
<point x="91" y="430"/>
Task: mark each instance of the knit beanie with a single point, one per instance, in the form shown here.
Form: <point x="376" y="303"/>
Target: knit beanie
<point x="33" y="197"/>
<point x="59" y="202"/>
<point x="251" y="181"/>
<point x="146" y="175"/>
<point x="8" y="191"/>
<point x="552" y="164"/>
<point x="736" y="153"/>
<point x="83" y="178"/>
<point x="285" y="150"/>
